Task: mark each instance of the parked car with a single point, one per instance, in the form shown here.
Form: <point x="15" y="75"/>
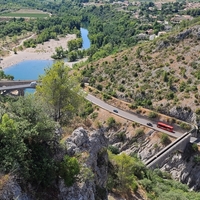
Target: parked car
<point x="33" y="84"/>
<point x="149" y="124"/>
<point x="116" y="111"/>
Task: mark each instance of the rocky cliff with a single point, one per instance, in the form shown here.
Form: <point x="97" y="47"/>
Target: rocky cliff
<point x="90" y="147"/>
<point x="91" y="150"/>
<point x="93" y="184"/>
<point x="184" y="167"/>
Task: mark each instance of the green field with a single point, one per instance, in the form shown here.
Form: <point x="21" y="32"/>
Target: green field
<point x="30" y="15"/>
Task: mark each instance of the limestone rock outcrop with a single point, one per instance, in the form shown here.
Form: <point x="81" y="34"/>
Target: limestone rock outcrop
<point x="184" y="114"/>
<point x="93" y="187"/>
<point x="90" y="185"/>
<point x="184" y="170"/>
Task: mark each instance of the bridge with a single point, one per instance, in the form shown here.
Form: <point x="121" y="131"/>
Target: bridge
<point x="17" y="87"/>
<point x="178" y="145"/>
<point x="6" y="86"/>
<point x="14" y="83"/>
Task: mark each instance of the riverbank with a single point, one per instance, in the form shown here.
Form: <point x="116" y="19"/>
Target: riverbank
<point x="41" y="52"/>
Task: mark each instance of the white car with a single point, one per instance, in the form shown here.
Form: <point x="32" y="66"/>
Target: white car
<point x="33" y="84"/>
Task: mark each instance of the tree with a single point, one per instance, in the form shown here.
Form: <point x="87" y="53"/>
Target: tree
<point x="74" y="44"/>
<point x="59" y="88"/>
<point x="72" y="56"/>
<point x="26" y="141"/>
<point x="124" y="169"/>
<point x="59" y="52"/>
<point x="12" y="149"/>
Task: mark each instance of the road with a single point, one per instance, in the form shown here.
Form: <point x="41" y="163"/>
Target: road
<point x="129" y="116"/>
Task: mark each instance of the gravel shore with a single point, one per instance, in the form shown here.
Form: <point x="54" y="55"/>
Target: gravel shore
<point x="41" y="52"/>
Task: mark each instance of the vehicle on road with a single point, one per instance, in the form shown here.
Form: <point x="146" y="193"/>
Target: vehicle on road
<point x="116" y="111"/>
<point x="149" y="124"/>
<point x="33" y="84"/>
<point x="165" y="127"/>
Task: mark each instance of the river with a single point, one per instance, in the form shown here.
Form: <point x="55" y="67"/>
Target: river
<point x="31" y="69"/>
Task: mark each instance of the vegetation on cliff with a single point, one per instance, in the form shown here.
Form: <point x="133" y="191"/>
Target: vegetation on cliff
<point x="61" y="91"/>
<point x="29" y="134"/>
<point x="128" y="174"/>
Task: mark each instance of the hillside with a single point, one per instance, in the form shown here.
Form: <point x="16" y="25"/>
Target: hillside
<point x="54" y="145"/>
<point x="163" y="74"/>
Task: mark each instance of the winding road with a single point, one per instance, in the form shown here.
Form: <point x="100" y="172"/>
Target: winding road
<point x="130" y="116"/>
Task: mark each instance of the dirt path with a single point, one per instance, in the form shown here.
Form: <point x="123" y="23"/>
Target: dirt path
<point x="21" y="43"/>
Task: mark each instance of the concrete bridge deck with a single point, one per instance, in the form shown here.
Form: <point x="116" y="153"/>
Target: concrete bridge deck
<point x="14" y="83"/>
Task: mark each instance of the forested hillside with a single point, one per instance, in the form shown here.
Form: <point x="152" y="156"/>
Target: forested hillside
<point x="161" y="75"/>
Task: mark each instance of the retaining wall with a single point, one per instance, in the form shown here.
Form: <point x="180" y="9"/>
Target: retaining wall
<point x="157" y="160"/>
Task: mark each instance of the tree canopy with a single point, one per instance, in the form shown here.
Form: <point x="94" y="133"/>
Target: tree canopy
<point x="60" y="89"/>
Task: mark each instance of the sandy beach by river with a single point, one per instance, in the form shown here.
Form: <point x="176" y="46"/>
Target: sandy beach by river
<point x="41" y="52"/>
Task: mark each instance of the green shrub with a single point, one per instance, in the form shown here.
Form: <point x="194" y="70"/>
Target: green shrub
<point x="94" y="115"/>
<point x="111" y="122"/>
<point x="121" y="136"/>
<point x="170" y="96"/>
<point x="197" y="111"/>
<point x="152" y="115"/>
<point x="147" y="184"/>
<point x="197" y="159"/>
<point x="165" y="139"/>
<point x="139" y="132"/>
<point x="106" y="97"/>
<point x="68" y="169"/>
<point x="132" y="106"/>
<point x="113" y="149"/>
<point x="185" y="126"/>
<point x="155" y="146"/>
<point x="195" y="147"/>
<point x="134" y="186"/>
<point x="99" y="87"/>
